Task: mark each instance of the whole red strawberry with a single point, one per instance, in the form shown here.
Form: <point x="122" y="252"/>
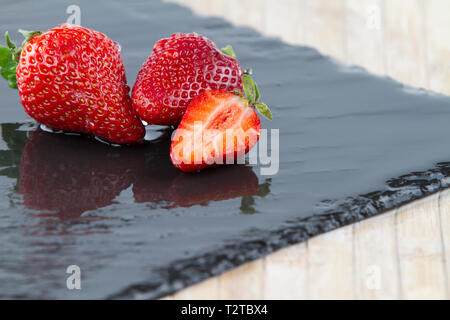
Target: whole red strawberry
<point x="177" y="70"/>
<point x="71" y="78"/>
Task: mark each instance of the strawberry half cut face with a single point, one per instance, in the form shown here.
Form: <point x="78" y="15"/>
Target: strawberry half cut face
<point x="218" y="128"/>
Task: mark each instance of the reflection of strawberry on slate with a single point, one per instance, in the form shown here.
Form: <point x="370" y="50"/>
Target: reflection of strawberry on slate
<point x="177" y="189"/>
<point x="156" y="176"/>
<point x="15" y="140"/>
<point x="160" y="182"/>
<point x="216" y="185"/>
<point x="69" y="175"/>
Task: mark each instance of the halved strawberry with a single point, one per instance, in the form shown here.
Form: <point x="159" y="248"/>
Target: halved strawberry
<point x="218" y="128"/>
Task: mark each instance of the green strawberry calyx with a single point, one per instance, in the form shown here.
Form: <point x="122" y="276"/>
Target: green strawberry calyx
<point x="228" y="50"/>
<point x="9" y="56"/>
<point x="251" y="92"/>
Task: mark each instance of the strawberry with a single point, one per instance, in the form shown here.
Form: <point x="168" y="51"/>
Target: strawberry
<point x="217" y="128"/>
<point x="71" y="78"/>
<point x="177" y="70"/>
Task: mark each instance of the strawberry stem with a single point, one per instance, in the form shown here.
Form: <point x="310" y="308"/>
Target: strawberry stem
<point x="228" y="50"/>
<point x="252" y="95"/>
<point x="9" y="43"/>
<point x="251" y="90"/>
<point x="248" y="71"/>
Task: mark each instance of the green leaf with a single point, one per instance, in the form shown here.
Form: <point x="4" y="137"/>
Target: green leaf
<point x="238" y="92"/>
<point x="228" y="50"/>
<point x="249" y="88"/>
<point x="6" y="72"/>
<point x="12" y="81"/>
<point x="9" y="43"/>
<point x="257" y="95"/>
<point x="5" y="56"/>
<point x="29" y="34"/>
<point x="9" y="56"/>
<point x="8" y="66"/>
<point x="264" y="110"/>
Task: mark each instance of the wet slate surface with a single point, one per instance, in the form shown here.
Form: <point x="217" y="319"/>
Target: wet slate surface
<point x="352" y="145"/>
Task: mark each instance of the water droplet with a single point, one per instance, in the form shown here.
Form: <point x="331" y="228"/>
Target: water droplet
<point x="118" y="46"/>
<point x="107" y="142"/>
<point x="46" y="129"/>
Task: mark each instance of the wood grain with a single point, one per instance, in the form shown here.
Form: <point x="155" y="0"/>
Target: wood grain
<point x="365" y="35"/>
<point x="376" y="264"/>
<point x="405" y="42"/>
<point x="420" y="250"/>
<point x="205" y="290"/>
<point x="444" y="220"/>
<point x="245" y="282"/>
<point x="286" y="273"/>
<point x="401" y="254"/>
<point x="331" y="266"/>
<point x="403" y="39"/>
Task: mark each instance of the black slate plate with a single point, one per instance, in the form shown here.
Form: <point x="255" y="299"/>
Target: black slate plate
<point x="352" y="145"/>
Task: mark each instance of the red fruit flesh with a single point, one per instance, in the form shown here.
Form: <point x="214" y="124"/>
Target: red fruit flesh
<point x="177" y="70"/>
<point x="217" y="126"/>
<point x="73" y="79"/>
